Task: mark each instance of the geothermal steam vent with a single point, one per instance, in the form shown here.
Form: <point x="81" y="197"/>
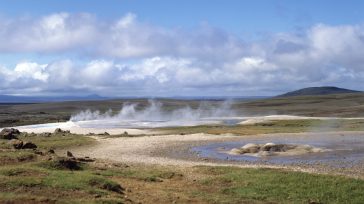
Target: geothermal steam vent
<point x="271" y="149"/>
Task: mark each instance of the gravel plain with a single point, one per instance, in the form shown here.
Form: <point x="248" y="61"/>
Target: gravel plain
<point x="175" y="150"/>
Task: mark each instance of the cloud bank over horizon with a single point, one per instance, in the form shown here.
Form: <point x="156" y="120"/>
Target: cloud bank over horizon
<point x="129" y="57"/>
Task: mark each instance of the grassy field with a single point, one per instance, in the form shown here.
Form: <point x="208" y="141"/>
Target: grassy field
<point x="279" y="126"/>
<point x="38" y="181"/>
<point x="232" y="185"/>
<point x="26" y="176"/>
<point x="29" y="177"/>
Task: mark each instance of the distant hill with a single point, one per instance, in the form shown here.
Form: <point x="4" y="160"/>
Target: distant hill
<point x="42" y="99"/>
<point x="324" y="90"/>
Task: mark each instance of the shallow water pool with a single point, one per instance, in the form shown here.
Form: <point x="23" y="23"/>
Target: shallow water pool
<point x="345" y="149"/>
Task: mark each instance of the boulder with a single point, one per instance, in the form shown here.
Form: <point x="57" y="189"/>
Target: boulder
<point x="39" y="152"/>
<point x="277" y="147"/>
<point x="66" y="163"/>
<point x="271" y="149"/>
<point x="249" y="145"/>
<point x="250" y="148"/>
<point x="85" y="159"/>
<point x="266" y="153"/>
<point x="236" y="151"/>
<point x="51" y="151"/>
<point x="60" y="131"/>
<point x="69" y="154"/>
<point x="9" y="133"/>
<point x="29" y="145"/>
<point x="17" y="144"/>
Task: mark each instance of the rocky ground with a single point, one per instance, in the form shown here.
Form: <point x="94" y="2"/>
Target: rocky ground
<point x="150" y="169"/>
<point x="176" y="150"/>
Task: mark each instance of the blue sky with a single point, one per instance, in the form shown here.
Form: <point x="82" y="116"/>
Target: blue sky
<point x="186" y="48"/>
<point x="242" y="16"/>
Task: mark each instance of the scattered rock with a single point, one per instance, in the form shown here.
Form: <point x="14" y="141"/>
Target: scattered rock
<point x="9" y="133"/>
<point x="38" y="152"/>
<point x="106" y="133"/>
<point x="51" y="151"/>
<point x="29" y="145"/>
<point x="266" y="153"/>
<point x="60" y="131"/>
<point x="236" y="151"/>
<point x="250" y="148"/>
<point x="249" y="145"/>
<point x="67" y="163"/>
<point x="17" y="144"/>
<point x="279" y="147"/>
<point x="113" y="187"/>
<point x="267" y="146"/>
<point x="45" y="134"/>
<point x="85" y="159"/>
<point x="25" y="134"/>
<point x="69" y="154"/>
<point x="271" y="149"/>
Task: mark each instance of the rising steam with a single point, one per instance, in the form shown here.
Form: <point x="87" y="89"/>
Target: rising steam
<point x="155" y="111"/>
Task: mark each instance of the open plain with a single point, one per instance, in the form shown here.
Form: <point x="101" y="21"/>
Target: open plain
<point x="130" y="162"/>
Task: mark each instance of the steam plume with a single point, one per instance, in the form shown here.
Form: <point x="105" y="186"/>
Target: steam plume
<point x="155" y="111"/>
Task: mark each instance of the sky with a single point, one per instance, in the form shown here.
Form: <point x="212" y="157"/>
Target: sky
<point x="179" y="48"/>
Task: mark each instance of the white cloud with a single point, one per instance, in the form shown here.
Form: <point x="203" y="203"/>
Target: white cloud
<point x="53" y="33"/>
<point x="127" y="37"/>
<point x="130" y="57"/>
<point x="125" y="21"/>
<point x="30" y="70"/>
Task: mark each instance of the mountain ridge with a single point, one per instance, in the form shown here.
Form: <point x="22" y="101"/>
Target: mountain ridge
<point x="321" y="90"/>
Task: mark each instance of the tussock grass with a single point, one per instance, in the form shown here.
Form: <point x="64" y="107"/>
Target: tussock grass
<point x="57" y="141"/>
<point x="38" y="182"/>
<point x="277" y="126"/>
<point x="229" y="185"/>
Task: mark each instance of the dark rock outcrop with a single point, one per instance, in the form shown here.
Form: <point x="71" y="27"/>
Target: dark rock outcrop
<point x="69" y="163"/>
<point x="9" y="133"/>
<point x="69" y="154"/>
<point x="29" y="145"/>
<point x="17" y="144"/>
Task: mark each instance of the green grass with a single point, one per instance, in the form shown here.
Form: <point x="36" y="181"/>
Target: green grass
<point x="41" y="180"/>
<point x="53" y="142"/>
<point x="278" y="126"/>
<point x="141" y="173"/>
<point x="38" y="180"/>
<point x="229" y="185"/>
<point x="18" y="156"/>
<point x="211" y="184"/>
<point x="58" y="141"/>
<point x="9" y="156"/>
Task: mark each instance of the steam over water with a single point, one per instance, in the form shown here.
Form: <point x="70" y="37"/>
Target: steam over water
<point x="156" y="115"/>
